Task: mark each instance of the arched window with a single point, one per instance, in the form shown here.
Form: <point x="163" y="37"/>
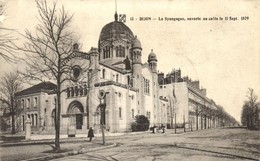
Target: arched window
<point x="72" y="92"/>
<point x="106" y="52"/>
<point x="28" y="102"/>
<point x="22" y="103"/>
<point x="128" y="80"/>
<point x="35" y="102"/>
<point x="36" y="119"/>
<point x="85" y="89"/>
<point x="120" y="112"/>
<point x="32" y="121"/>
<point x="103" y="73"/>
<point x="117" y="52"/>
<point x="76" y="72"/>
<point x="76" y="91"/>
<point x="53" y="117"/>
<point x="80" y="91"/>
<point x="120" y="51"/>
<point x="117" y="77"/>
<point x="68" y="92"/>
<point x="123" y="52"/>
<point x="133" y="113"/>
<point x="23" y="122"/>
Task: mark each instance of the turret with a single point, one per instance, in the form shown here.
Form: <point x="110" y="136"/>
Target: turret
<point x="152" y="60"/>
<point x="94" y="63"/>
<point x="136" y="55"/>
<point x="136" y="51"/>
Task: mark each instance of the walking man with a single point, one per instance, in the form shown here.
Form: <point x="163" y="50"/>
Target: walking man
<point x="90" y="134"/>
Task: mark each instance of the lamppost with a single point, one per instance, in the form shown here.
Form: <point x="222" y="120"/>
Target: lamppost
<point x="102" y="107"/>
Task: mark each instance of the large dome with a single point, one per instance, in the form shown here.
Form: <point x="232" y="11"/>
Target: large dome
<point x="114" y="43"/>
<point x="115" y="31"/>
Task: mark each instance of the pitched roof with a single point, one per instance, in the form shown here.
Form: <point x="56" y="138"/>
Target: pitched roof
<point x="122" y="71"/>
<point x="47" y="87"/>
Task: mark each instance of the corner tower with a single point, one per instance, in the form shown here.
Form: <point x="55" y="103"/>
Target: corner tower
<point x="152" y="60"/>
<point x="136" y="56"/>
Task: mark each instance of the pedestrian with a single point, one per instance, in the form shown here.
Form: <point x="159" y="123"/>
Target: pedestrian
<point x="90" y="134"/>
<point x="154" y="128"/>
<point x="163" y="128"/>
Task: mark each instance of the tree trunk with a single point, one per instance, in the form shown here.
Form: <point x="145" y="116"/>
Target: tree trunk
<point x="12" y="115"/>
<point x="13" y="121"/>
<point x="205" y="122"/>
<point x="171" y="117"/>
<point x="175" y="126"/>
<point x="57" y="123"/>
<point x="197" y="121"/>
<point x="201" y="121"/>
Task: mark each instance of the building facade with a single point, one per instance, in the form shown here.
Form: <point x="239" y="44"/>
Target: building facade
<point x="115" y="72"/>
<point x="37" y="104"/>
<point x="188" y="103"/>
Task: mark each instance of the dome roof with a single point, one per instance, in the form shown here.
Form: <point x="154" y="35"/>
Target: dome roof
<point x="116" y="30"/>
<point x="136" y="43"/>
<point x="152" y="56"/>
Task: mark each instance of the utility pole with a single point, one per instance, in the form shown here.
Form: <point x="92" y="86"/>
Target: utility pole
<point x="184" y="123"/>
<point x="87" y="92"/>
<point x="175" y="123"/>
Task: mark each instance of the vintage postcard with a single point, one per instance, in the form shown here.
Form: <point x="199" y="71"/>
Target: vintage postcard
<point x="130" y="80"/>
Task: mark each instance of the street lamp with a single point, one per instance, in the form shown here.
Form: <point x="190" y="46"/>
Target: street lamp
<point x="102" y="106"/>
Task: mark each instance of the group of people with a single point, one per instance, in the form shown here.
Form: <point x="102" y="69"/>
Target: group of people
<point x="156" y="129"/>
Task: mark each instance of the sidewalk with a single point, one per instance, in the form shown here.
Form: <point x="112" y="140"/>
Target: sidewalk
<point x="43" y="149"/>
<point x="40" y="146"/>
<point x="49" y="139"/>
<point x="83" y="148"/>
<point x="45" y="138"/>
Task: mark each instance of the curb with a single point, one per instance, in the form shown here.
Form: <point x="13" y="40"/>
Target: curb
<point x="70" y="153"/>
<point x="36" y="142"/>
<point x="51" y="141"/>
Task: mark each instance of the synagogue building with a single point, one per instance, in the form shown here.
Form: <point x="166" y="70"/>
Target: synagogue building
<point x="114" y="73"/>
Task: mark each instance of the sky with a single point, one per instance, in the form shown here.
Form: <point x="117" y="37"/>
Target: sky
<point x="223" y="54"/>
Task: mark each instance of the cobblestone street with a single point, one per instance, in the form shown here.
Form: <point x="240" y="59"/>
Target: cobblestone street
<point x="213" y="145"/>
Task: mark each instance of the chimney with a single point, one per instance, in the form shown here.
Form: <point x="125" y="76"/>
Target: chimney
<point x="196" y="84"/>
<point x="76" y="47"/>
<point x="203" y="91"/>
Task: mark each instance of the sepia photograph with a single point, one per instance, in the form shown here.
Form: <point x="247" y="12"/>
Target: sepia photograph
<point x="118" y="80"/>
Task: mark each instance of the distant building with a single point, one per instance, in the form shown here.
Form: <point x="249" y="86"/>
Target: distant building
<point x="188" y="102"/>
<point x="38" y="104"/>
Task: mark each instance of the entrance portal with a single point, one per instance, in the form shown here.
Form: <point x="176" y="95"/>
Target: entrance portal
<point x="75" y="110"/>
<point x="79" y="121"/>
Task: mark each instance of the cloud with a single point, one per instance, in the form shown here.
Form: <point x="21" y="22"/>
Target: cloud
<point x="2" y="18"/>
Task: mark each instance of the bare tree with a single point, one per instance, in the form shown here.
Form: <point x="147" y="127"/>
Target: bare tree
<point x="50" y="52"/>
<point x="198" y="111"/>
<point x="6" y="39"/>
<point x="1" y="8"/>
<point x="10" y="84"/>
<point x="250" y="110"/>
